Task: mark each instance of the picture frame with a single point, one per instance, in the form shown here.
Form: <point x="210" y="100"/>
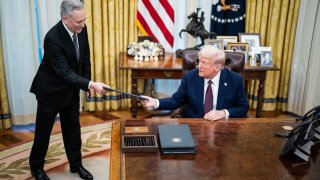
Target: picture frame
<point x="246" y="57"/>
<point x="218" y="43"/>
<point x="253" y="39"/>
<point x="227" y="39"/>
<point x="266" y="58"/>
<point x="238" y="46"/>
<point x="256" y="51"/>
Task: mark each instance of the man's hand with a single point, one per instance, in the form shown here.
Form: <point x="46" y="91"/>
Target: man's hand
<point x="149" y="104"/>
<point x="98" y="87"/>
<point x="215" y="115"/>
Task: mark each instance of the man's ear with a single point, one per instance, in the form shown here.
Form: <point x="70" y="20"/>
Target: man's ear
<point x="64" y="19"/>
<point x="218" y="67"/>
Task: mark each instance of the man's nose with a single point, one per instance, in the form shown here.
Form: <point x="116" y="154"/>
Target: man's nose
<point x="82" y="24"/>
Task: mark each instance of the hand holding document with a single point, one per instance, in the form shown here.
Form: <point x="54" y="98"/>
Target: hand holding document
<point x="129" y="94"/>
<point x="150" y="104"/>
<point x="97" y="87"/>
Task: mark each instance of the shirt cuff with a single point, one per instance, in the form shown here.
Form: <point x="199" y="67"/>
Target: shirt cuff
<point x="89" y="84"/>
<point x="227" y="113"/>
<point x="157" y="104"/>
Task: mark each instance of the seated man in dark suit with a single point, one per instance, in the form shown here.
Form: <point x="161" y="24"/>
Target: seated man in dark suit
<point x="223" y="97"/>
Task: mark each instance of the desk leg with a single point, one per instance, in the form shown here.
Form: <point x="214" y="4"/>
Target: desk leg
<point x="260" y="97"/>
<point x="134" y="105"/>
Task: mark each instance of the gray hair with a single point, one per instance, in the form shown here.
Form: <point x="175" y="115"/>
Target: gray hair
<point x="217" y="55"/>
<point x="67" y="6"/>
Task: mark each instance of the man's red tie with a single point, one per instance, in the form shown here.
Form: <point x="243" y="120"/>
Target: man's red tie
<point x="208" y="101"/>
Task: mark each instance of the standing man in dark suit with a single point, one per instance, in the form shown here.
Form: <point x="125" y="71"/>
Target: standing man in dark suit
<point x="65" y="69"/>
<point x="223" y="97"/>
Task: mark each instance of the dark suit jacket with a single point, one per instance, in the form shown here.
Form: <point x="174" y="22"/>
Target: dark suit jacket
<point x="60" y="75"/>
<point x="231" y="95"/>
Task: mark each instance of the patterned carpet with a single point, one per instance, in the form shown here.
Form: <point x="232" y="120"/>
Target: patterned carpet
<point x="95" y="150"/>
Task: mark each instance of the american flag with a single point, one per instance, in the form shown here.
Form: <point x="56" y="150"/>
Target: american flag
<point x="156" y="18"/>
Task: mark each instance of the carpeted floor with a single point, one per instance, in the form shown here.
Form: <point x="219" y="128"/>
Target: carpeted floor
<point x="97" y="164"/>
<point x="95" y="151"/>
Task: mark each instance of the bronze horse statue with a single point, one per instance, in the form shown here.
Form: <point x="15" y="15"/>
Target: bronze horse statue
<point x="196" y="27"/>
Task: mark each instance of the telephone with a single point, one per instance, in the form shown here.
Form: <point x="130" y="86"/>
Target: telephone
<point x="304" y="136"/>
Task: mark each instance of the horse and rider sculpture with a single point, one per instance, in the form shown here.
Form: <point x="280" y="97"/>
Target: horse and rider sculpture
<point x="196" y="27"/>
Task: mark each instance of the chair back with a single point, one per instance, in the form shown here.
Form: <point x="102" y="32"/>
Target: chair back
<point x="235" y="61"/>
<point x="189" y="60"/>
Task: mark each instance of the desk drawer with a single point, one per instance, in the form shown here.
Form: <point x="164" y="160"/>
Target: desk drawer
<point x="157" y="74"/>
<point x="254" y="75"/>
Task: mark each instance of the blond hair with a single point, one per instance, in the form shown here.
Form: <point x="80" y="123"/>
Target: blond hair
<point x="218" y="56"/>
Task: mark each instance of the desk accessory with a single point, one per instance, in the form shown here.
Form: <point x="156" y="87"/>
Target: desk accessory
<point x="304" y="136"/>
<point x="137" y="137"/>
<point x="136" y="129"/>
<point x="139" y="143"/>
<point x="176" y="139"/>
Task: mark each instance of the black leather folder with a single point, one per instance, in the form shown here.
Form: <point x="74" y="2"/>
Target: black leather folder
<point x="176" y="138"/>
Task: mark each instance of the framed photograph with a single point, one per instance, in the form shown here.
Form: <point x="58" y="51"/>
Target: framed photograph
<point x="227" y="39"/>
<point x="218" y="43"/>
<point x="256" y="51"/>
<point x="266" y="58"/>
<point x="253" y="39"/>
<point x="237" y="46"/>
<point x="245" y="57"/>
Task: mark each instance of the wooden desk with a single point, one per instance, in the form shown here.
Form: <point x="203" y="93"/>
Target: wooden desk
<point x="170" y="67"/>
<point x="234" y="149"/>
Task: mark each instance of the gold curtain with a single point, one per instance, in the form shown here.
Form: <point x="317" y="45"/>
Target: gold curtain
<point x="111" y="27"/>
<point x="276" y="21"/>
<point x="5" y="121"/>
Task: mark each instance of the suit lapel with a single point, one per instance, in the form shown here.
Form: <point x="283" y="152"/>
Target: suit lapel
<point x="223" y="88"/>
<point x="83" y="42"/>
<point x="81" y="47"/>
<point x="199" y="92"/>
